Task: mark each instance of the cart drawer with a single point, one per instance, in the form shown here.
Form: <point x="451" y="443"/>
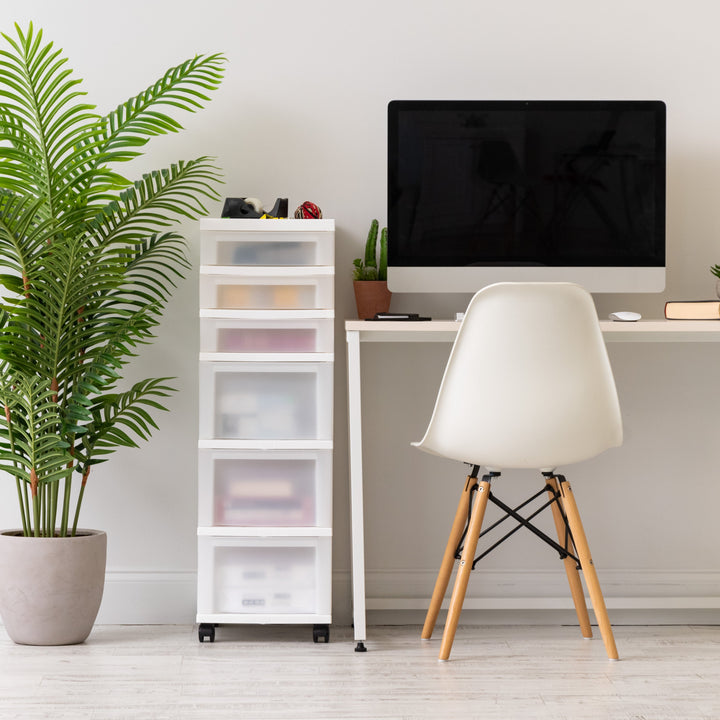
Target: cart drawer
<point x="268" y="249"/>
<point x="233" y="335"/>
<point x="278" y="488"/>
<point x="266" y="292"/>
<point x="267" y="242"/>
<point x="264" y="576"/>
<point x="263" y="401"/>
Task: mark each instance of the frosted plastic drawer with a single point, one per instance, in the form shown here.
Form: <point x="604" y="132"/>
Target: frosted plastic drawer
<point x="233" y="292"/>
<point x="226" y="241"/>
<point x="264" y="576"/>
<point x="263" y="401"/>
<point x="265" y="336"/>
<point x="282" y="489"/>
<point x="266" y="248"/>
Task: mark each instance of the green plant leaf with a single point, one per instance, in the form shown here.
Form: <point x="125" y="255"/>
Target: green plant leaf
<point x="88" y="258"/>
<point x="34" y="426"/>
<point x="117" y="417"/>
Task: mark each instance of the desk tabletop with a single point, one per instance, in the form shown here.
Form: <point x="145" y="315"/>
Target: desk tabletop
<point x="651" y="330"/>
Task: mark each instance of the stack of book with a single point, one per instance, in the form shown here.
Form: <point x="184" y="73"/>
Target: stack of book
<point x="693" y="310"/>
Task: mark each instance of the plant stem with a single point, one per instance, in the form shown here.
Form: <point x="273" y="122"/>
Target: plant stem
<point x="48" y="508"/>
<point x="80" y="499"/>
<point x="35" y="501"/>
<point x="22" y="506"/>
<point x="44" y="509"/>
<point x="66" y="502"/>
<point x="54" y="488"/>
<point x="26" y="509"/>
<point x="19" y="484"/>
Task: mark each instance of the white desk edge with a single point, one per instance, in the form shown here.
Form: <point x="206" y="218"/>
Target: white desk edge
<point x="358" y="331"/>
<point x="445" y="330"/>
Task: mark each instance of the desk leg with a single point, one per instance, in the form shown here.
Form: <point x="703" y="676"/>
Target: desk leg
<point x="356" y="488"/>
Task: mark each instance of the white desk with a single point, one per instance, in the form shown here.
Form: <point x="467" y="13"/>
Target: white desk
<point x="359" y="331"/>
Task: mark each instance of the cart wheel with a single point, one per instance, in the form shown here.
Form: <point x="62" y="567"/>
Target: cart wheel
<point x="321" y="633"/>
<point x="206" y="631"/>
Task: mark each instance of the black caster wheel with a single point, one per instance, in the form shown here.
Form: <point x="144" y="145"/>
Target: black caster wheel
<point x="206" y="631"/>
<point x="321" y="633"/>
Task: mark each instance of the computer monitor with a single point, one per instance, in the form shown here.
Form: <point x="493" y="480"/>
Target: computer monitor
<point x="488" y="191"/>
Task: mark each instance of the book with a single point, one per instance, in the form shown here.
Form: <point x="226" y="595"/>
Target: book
<point x="693" y="310"/>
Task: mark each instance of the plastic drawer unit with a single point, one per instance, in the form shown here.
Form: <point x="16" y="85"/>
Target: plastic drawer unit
<point x="265" y="423"/>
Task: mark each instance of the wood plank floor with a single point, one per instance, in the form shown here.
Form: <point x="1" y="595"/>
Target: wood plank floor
<point x="251" y="673"/>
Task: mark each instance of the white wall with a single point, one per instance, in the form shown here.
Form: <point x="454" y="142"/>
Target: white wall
<point x="302" y="114"/>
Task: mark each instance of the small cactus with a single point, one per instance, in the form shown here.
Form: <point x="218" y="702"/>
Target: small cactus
<point x="370" y="268"/>
<point x="382" y="265"/>
<point x="371" y="245"/>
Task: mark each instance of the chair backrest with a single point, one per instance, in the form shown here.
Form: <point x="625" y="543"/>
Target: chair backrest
<point x="528" y="383"/>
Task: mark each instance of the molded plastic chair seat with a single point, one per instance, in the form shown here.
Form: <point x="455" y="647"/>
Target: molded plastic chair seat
<point x="528" y="385"/>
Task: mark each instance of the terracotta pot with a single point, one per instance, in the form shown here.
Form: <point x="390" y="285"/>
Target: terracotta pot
<point x="51" y="588"/>
<point x="371" y="296"/>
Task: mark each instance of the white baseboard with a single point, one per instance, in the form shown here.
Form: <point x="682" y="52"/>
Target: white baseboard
<point x="149" y="598"/>
<point x="632" y="596"/>
<point x="160" y="597"/>
<point x="486" y="584"/>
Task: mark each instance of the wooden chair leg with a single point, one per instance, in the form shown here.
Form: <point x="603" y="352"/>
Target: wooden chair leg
<point x="464" y="569"/>
<point x="448" y="560"/>
<point x="591" y="578"/>
<point x="573" y="576"/>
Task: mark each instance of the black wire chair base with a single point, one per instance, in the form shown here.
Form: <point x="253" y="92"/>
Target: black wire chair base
<point x="565" y="550"/>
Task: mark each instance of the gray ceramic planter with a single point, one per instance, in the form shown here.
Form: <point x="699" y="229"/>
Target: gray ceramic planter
<point x="51" y="588"/>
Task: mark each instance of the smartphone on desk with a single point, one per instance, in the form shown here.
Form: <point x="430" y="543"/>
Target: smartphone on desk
<point x="408" y="317"/>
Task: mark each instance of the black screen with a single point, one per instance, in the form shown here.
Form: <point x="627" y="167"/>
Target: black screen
<point x="555" y="183"/>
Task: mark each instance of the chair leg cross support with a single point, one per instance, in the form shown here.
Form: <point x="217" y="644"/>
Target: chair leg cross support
<point x="563" y="550"/>
<point x="466" y="532"/>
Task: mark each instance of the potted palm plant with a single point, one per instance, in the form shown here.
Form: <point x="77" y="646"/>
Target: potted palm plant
<point x="89" y="260"/>
<point x="370" y="275"/>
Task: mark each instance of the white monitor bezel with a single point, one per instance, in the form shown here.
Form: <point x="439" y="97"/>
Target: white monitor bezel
<point x="471" y="279"/>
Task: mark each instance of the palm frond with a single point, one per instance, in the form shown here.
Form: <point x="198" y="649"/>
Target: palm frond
<point x="120" y="419"/>
<point x="153" y="265"/>
<point x="123" y="330"/>
<point x="47" y="331"/>
<point x="134" y="122"/>
<point x="34" y="420"/>
<point x="22" y="234"/>
<point x="152" y="203"/>
<point x="38" y="146"/>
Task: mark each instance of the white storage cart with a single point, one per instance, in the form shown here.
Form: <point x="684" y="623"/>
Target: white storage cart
<point x="265" y="425"/>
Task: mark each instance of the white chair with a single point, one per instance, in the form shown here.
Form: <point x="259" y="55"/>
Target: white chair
<point x="528" y="385"/>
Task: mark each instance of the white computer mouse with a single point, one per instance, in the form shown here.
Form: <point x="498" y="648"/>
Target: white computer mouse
<point x="625" y="316"/>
